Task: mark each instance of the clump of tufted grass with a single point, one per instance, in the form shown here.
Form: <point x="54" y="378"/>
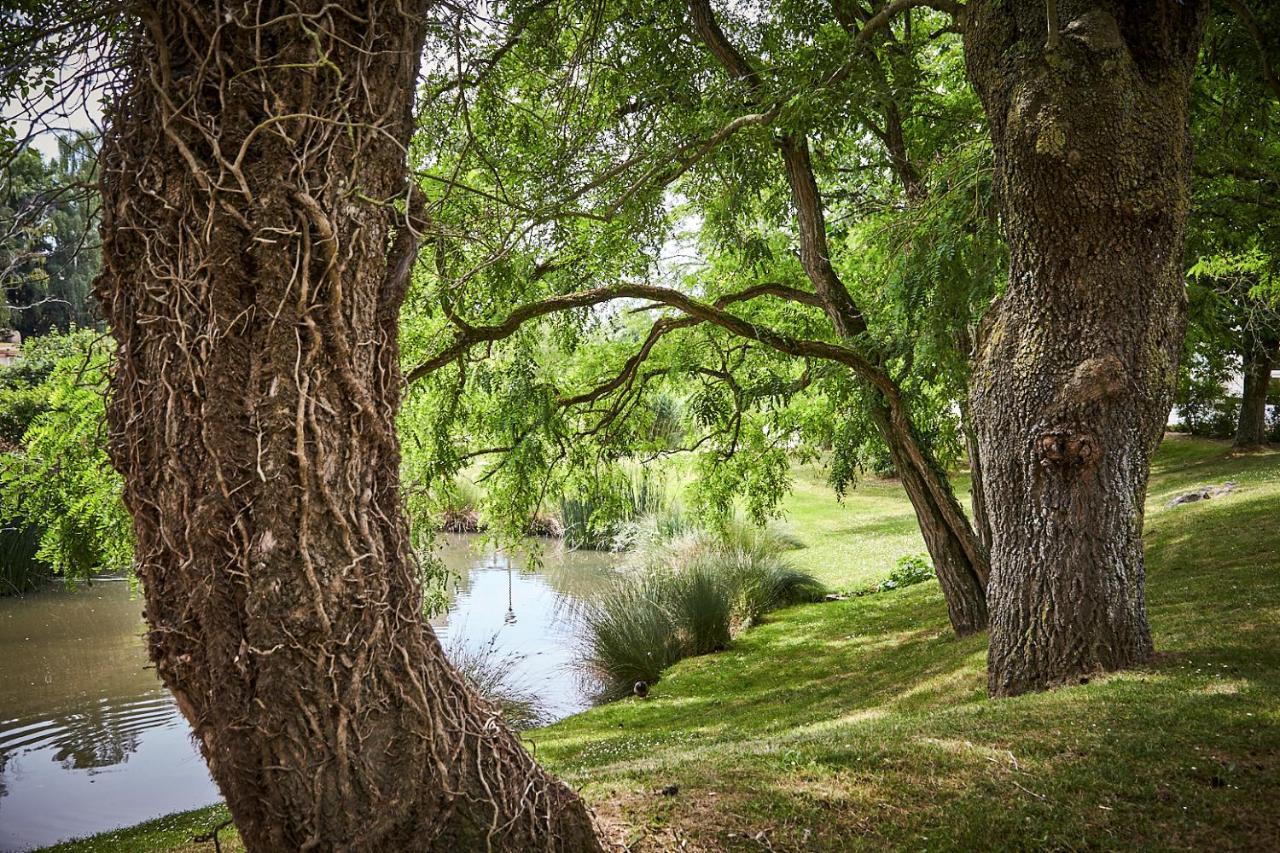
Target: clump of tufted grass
<point x="683" y="598"/>
<point x="491" y="672"/>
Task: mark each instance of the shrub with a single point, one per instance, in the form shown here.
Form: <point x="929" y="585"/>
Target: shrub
<point x="684" y="598"/>
<point x="909" y="570"/>
<point x="701" y="599"/>
<point x="770" y="584"/>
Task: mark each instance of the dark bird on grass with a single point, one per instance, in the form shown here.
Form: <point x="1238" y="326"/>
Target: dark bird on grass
<point x="642" y="689"/>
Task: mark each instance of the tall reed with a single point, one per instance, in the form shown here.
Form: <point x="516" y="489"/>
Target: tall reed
<point x="20" y="569"/>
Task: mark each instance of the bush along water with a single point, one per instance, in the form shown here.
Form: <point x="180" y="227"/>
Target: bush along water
<point x="685" y="597"/>
<point x="21" y="569"/>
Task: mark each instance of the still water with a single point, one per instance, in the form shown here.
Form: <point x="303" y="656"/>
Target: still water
<point x="90" y="741"/>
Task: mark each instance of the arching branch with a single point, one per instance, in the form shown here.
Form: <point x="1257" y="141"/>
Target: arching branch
<point x="693" y="308"/>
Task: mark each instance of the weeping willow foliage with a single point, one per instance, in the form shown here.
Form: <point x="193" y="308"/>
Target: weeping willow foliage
<point x="56" y="479"/>
<point x="568" y="150"/>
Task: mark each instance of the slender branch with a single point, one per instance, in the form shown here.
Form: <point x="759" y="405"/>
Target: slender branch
<point x="882" y="18"/>
<point x="879" y="21"/>
<point x="626" y="375"/>
<point x="815" y="253"/>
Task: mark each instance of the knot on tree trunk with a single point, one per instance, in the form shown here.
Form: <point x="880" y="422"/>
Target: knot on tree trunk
<point x="1065" y="449"/>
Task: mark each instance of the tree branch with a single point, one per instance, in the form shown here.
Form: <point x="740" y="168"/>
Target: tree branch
<point x="815" y="253"/>
<point x="693" y="308"/>
<point x="879" y="21"/>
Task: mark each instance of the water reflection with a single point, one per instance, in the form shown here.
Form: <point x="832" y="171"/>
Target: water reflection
<point x="90" y="741"/>
<point x="529" y="613"/>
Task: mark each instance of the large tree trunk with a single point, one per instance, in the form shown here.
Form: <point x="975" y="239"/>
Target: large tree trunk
<point x="1075" y="377"/>
<point x="250" y="182"/>
<point x="1251" y="429"/>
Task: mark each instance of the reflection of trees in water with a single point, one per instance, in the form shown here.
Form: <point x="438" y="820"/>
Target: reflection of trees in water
<point x="95" y="743"/>
<point x="571" y="574"/>
<point x="104" y="734"/>
<point x="101" y="734"/>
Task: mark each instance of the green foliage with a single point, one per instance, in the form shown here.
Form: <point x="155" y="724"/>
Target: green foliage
<point x="456" y="507"/>
<point x="49" y="253"/>
<point x="1234" y="237"/>
<point x="1204" y="407"/>
<point x="910" y="569"/>
<point x="59" y="479"/>
<point x="580" y="165"/>
<point x="598" y="517"/>
<point x="684" y="598"/>
<point x="21" y="569"/>
<point x="24" y="393"/>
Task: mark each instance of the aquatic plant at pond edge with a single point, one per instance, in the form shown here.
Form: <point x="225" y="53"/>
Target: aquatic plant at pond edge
<point x="21" y="570"/>
<point x="599" y="518"/>
<point x="491" y="672"/>
<point x="684" y="599"/>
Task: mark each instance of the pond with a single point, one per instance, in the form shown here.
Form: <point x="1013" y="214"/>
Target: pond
<point x="90" y="741"/>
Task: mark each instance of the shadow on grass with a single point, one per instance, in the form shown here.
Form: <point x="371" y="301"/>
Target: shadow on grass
<point x="864" y="724"/>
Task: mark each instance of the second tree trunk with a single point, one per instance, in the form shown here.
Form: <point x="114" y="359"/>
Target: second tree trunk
<point x="1075" y="374"/>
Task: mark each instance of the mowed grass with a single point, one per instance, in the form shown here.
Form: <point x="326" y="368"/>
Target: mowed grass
<point x="853" y="542"/>
<point x="863" y="724"/>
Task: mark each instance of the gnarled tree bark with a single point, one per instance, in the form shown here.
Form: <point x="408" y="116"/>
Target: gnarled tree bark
<point x="1075" y="378"/>
<point x="251" y="174"/>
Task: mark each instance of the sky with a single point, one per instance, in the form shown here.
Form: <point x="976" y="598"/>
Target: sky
<point x="82" y="113"/>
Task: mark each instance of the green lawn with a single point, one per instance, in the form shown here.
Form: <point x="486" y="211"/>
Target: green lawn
<point x="853" y="542"/>
<point x="863" y="724"/>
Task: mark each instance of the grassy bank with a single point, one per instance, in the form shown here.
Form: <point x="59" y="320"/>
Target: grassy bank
<point x="863" y="724"/>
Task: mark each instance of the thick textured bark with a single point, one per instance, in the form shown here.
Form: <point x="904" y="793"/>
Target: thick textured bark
<point x="1075" y="376"/>
<point x="1251" y="429"/>
<point x="250" y="178"/>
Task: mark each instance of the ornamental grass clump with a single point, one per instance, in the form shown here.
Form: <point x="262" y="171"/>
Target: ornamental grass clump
<point x="682" y="598"/>
<point x="492" y="673"/>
